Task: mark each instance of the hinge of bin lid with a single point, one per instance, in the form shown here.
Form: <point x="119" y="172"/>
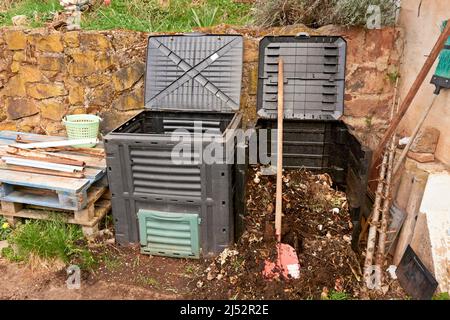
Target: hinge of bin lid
<point x="302" y="35"/>
<point x="199" y="220"/>
<point x="338" y="174"/>
<point x="364" y="166"/>
<point x="194" y="34"/>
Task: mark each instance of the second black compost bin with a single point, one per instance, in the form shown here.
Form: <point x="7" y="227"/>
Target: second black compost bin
<point x="313" y="136"/>
<point x="193" y="82"/>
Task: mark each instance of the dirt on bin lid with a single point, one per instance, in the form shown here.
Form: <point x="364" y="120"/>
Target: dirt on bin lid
<point x="315" y="222"/>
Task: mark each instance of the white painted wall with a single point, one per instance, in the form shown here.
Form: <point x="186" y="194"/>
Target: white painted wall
<point x="436" y="208"/>
<point x="420" y="34"/>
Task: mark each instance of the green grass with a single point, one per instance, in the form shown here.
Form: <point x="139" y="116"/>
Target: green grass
<point x="190" y="269"/>
<point x="442" y="296"/>
<point x="5" y="229"/>
<point x="393" y="76"/>
<point x="52" y="239"/>
<point x="140" y="15"/>
<point x="37" y="11"/>
<point x="148" y="281"/>
<point x="111" y="262"/>
<point x="338" y="295"/>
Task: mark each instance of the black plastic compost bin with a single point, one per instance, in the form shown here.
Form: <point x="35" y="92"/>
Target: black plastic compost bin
<point x="193" y="82"/>
<point x="313" y="136"/>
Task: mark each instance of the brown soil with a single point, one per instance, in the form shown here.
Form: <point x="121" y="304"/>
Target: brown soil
<point x="122" y="274"/>
<point x="316" y="223"/>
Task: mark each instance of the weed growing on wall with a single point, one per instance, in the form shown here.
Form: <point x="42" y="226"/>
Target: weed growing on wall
<point x="316" y="13"/>
<point x="274" y="13"/>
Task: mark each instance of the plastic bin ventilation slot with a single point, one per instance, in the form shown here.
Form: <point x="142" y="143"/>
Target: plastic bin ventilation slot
<point x="192" y="82"/>
<point x="314" y="85"/>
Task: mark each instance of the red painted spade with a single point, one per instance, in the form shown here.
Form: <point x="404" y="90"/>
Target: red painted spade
<point x="287" y="260"/>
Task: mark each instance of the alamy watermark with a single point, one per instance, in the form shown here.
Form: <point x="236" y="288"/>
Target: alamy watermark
<point x="73" y="10"/>
<point x="373" y="17"/>
<point x="235" y="146"/>
<point x="73" y="277"/>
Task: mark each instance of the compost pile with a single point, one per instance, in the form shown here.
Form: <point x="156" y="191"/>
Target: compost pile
<point x="315" y="222"/>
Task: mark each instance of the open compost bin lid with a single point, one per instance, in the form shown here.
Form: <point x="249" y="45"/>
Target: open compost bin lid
<point x="194" y="72"/>
<point x="314" y="76"/>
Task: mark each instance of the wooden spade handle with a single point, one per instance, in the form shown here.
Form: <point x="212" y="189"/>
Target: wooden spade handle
<point x="279" y="191"/>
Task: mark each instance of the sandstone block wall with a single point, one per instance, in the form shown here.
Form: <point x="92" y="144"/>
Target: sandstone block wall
<point x="45" y="75"/>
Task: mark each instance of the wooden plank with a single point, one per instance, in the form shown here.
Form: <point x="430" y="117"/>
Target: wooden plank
<point x="102" y="208"/>
<point x="12" y="135"/>
<point x="11" y="207"/>
<point x="89" y="161"/>
<point x="397" y="218"/>
<point x="100" y="211"/>
<point x="93" y="195"/>
<point x="279" y="187"/>
<point x="412" y="210"/>
<point x="5" y="142"/>
<point x="93" y="152"/>
<point x="97" y="151"/>
<point x="51" y="144"/>
<point x="89" y="173"/>
<point x="49" y="201"/>
<point x="5" y="189"/>
<point x="404" y="189"/>
<point x="93" y="157"/>
<point x="41" y="164"/>
<point x="74" y="201"/>
<point x="34" y="180"/>
<point x="92" y="162"/>
<point x="77" y="175"/>
<point x="17" y="136"/>
<point x="85" y="215"/>
<point x="44" y="156"/>
<point x="94" y="175"/>
<point x="55" y="159"/>
<point x="107" y="195"/>
<point x="41" y="192"/>
<point x="13" y="221"/>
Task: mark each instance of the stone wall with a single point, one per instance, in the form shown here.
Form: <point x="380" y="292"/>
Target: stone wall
<point x="45" y="75"/>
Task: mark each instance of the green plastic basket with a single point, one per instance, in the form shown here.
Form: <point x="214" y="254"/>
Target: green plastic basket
<point x="82" y="126"/>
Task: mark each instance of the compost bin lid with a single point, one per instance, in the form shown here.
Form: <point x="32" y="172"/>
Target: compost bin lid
<point x="195" y="71"/>
<point x="314" y="76"/>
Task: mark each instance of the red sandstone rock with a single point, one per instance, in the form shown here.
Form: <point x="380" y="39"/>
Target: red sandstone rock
<point x="421" y="157"/>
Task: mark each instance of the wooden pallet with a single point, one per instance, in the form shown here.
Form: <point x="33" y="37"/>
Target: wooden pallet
<point x="98" y="205"/>
<point x="34" y="195"/>
<point x="95" y="167"/>
<point x="45" y="189"/>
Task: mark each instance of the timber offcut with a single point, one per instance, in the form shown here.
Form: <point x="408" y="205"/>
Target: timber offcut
<point x="42" y="176"/>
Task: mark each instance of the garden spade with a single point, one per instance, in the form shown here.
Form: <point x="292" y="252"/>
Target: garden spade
<point x="287" y="261"/>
